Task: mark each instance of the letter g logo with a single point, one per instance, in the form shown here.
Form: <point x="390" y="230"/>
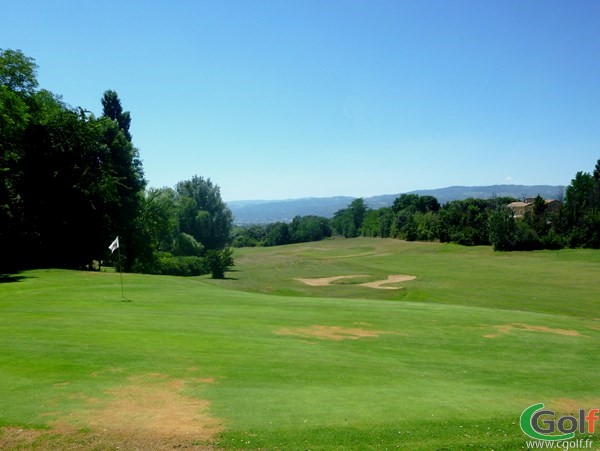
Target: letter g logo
<point x="529" y="424"/>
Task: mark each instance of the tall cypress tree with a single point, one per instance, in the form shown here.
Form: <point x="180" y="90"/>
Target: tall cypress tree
<point x="124" y="173"/>
<point x="111" y="108"/>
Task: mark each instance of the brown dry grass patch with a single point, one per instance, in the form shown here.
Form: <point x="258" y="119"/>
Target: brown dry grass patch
<point x="565" y="406"/>
<point x="505" y="329"/>
<point x="148" y="412"/>
<point x="570" y="405"/>
<point x="335" y="333"/>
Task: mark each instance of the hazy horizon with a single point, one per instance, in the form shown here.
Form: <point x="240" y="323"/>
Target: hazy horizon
<point x="390" y="194"/>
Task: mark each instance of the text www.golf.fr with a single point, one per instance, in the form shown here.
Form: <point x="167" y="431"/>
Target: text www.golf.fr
<point x="565" y="445"/>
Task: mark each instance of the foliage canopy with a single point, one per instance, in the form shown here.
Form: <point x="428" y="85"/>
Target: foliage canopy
<point x="70" y="182"/>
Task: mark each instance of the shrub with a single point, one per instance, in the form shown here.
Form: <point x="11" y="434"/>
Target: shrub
<point x="525" y="238"/>
<point x="219" y="261"/>
<point x="553" y="240"/>
<point x="186" y="245"/>
<point x="168" y="264"/>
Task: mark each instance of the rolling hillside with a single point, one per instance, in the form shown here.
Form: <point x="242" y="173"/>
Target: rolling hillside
<point x="266" y="211"/>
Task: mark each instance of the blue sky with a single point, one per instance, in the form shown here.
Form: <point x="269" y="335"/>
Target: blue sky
<point x="287" y="99"/>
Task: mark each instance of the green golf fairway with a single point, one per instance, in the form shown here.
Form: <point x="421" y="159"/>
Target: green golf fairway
<point x="448" y="360"/>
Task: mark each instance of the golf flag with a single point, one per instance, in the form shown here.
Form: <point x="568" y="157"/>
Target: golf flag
<point x="114" y="245"/>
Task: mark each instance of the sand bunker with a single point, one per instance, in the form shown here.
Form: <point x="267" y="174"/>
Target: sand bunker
<point x="324" y="281"/>
<point x="508" y="328"/>
<point x="379" y="284"/>
<point x="335" y="333"/>
<point x="390" y="279"/>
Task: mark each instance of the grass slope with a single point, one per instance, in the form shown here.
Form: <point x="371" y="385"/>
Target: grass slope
<point x="562" y="282"/>
<point x="433" y="375"/>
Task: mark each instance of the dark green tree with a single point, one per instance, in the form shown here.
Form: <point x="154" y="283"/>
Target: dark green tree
<point x="159" y="218"/>
<point x="386" y="219"/>
<point x="14" y="119"/>
<point x="405" y="202"/>
<point x="502" y="229"/>
<point x="155" y="227"/>
<point x="17" y="84"/>
<point x="203" y="214"/>
<point x="348" y="221"/>
<point x="401" y="221"/>
<point x="371" y="226"/>
<point x="343" y="223"/>
<point x="579" y="196"/>
<point x="537" y="218"/>
<point x="358" y="208"/>
<point x="249" y="236"/>
<point x="123" y="186"/>
<point x="465" y="222"/>
<point x="378" y="223"/>
<point x="579" y="204"/>
<point x="427" y="225"/>
<point x="111" y="108"/>
<point x="276" y="234"/>
<point x="309" y="228"/>
<point x="62" y="223"/>
<point x="18" y="73"/>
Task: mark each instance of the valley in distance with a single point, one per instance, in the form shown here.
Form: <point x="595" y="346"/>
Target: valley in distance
<point x="247" y="212"/>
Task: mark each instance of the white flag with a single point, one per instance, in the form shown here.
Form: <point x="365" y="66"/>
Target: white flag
<point x="114" y="245"/>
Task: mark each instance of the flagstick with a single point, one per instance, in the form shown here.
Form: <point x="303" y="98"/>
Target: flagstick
<point x="120" y="272"/>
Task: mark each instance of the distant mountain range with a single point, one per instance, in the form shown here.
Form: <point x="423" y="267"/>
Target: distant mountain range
<point x="266" y="211"/>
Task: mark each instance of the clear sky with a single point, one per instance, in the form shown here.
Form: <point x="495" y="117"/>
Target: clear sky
<point x="275" y="99"/>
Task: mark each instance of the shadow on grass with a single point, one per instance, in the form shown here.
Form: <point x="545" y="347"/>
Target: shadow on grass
<point x="8" y="278"/>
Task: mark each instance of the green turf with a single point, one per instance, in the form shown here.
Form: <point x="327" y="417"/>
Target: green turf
<point x="563" y="282"/>
<point x="440" y="375"/>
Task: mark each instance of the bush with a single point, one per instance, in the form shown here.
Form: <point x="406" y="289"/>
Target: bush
<point x="525" y="238"/>
<point x="186" y="245"/>
<point x="553" y="240"/>
<point x="168" y="264"/>
<point x="219" y="261"/>
<point x="244" y="241"/>
<point x="588" y="233"/>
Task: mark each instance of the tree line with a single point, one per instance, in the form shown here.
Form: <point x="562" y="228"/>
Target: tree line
<point x="300" y="230"/>
<point x="70" y="182"/>
<point x="470" y="222"/>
